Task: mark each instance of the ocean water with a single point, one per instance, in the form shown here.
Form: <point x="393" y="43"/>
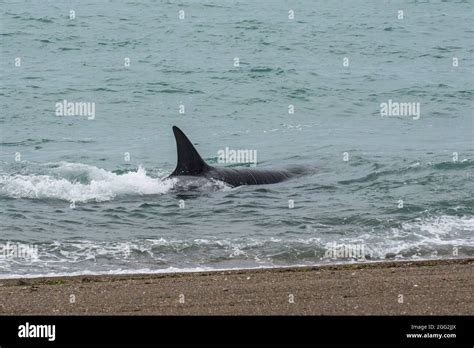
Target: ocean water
<point x="375" y="187"/>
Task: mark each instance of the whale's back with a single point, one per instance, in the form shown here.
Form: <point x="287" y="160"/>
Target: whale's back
<point x="190" y="163"/>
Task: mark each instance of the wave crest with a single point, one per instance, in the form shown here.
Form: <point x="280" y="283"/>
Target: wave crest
<point x="77" y="182"/>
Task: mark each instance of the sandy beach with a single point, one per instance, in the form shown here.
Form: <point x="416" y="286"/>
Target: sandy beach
<point x="435" y="287"/>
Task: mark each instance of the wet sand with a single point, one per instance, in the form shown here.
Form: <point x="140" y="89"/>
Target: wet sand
<point x="435" y="287"/>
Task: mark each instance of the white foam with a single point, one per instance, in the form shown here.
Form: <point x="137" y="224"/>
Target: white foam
<point x="415" y="240"/>
<point x="444" y="225"/>
<point x="424" y="235"/>
<point x="100" y="185"/>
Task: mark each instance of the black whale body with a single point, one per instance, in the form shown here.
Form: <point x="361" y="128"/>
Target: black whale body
<point x="190" y="163"/>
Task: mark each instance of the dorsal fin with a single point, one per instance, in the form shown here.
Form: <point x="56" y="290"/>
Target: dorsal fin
<point x="189" y="160"/>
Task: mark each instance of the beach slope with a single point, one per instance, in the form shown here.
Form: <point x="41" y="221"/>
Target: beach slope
<point x="435" y="287"/>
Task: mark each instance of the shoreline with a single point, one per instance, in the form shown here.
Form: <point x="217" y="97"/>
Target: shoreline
<point x="430" y="287"/>
<point x="337" y="265"/>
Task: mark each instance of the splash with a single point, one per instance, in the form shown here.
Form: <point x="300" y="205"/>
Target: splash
<point x="77" y="182"/>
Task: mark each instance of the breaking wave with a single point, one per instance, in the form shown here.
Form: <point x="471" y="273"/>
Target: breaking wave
<point x="424" y="239"/>
<point x="77" y="182"/>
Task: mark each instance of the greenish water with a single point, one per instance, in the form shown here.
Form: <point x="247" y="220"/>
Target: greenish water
<point x="385" y="187"/>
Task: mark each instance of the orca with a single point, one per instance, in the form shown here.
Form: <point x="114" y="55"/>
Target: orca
<point x="191" y="164"/>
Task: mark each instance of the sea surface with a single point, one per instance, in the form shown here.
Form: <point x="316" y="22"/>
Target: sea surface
<point x="372" y="188"/>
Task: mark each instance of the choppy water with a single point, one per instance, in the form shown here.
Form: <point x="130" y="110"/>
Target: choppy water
<point x="127" y="219"/>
